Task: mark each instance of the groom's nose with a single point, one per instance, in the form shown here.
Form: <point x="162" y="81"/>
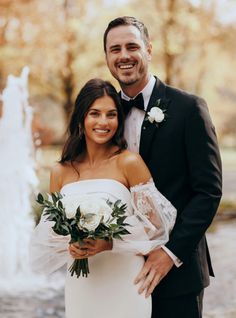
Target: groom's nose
<point x="124" y="53"/>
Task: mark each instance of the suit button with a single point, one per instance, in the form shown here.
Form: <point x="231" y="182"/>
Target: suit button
<point x="144" y="127"/>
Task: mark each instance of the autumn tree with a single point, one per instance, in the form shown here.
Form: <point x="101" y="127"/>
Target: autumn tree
<point x="61" y="42"/>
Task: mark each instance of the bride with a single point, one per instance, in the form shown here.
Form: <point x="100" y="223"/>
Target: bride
<point x="95" y="162"/>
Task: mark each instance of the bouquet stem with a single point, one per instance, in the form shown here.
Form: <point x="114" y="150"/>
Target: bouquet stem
<point x="79" y="266"/>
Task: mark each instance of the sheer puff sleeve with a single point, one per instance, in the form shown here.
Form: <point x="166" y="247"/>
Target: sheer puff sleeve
<point x="152" y="219"/>
<point x="48" y="250"/>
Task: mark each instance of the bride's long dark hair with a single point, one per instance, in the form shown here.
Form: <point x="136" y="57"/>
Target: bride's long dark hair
<point x="75" y="143"/>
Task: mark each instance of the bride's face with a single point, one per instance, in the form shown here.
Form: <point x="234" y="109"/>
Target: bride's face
<point x="101" y="121"/>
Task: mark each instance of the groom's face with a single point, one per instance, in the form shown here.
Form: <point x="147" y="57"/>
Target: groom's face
<point x="128" y="56"/>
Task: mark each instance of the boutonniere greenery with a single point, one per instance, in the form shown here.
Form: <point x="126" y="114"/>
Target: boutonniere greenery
<point x="156" y="114"/>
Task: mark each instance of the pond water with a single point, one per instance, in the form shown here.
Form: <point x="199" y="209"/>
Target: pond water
<point x="219" y="301"/>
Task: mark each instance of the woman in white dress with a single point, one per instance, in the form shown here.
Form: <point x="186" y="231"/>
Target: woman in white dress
<point x="95" y="162"/>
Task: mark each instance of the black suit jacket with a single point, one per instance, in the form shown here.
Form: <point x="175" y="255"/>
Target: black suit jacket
<point x="183" y="157"/>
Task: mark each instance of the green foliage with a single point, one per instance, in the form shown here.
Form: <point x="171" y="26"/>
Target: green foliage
<point x="114" y="227"/>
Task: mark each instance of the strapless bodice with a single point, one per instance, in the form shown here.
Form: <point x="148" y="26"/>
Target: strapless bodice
<point x="104" y="188"/>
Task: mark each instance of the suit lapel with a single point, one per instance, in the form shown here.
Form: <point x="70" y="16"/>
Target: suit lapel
<point x="148" y="129"/>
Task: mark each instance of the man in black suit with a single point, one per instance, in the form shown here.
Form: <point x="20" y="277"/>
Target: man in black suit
<point x="182" y="154"/>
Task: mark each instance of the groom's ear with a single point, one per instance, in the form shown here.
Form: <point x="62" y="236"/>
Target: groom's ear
<point x="149" y="51"/>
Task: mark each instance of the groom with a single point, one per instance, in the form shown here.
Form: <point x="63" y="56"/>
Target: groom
<point x="182" y="154"/>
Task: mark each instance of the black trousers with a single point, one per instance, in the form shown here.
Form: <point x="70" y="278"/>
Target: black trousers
<point x="184" y="306"/>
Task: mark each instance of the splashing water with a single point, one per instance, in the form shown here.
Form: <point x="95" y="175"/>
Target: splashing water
<point x="17" y="182"/>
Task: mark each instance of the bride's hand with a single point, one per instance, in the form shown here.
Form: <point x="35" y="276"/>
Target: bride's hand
<point x="97" y="246"/>
<point x="77" y="251"/>
<point x="89" y="248"/>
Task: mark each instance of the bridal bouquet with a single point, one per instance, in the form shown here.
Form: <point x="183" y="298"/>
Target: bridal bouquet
<point x="84" y="217"/>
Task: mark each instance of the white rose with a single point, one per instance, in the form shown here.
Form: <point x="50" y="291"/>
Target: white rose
<point x="104" y="211"/>
<point x="88" y="205"/>
<point x="92" y="211"/>
<point x="71" y="203"/>
<point x="90" y="221"/>
<point x="156" y="114"/>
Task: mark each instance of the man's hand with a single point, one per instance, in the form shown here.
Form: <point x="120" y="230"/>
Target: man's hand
<point x="89" y="248"/>
<point x="157" y="265"/>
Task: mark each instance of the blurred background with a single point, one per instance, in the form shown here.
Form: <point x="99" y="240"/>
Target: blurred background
<point x="194" y="48"/>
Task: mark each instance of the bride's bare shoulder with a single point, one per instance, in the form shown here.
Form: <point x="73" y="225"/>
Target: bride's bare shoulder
<point x="134" y="168"/>
<point x="128" y="158"/>
<point x="58" y="169"/>
<point x="57" y="175"/>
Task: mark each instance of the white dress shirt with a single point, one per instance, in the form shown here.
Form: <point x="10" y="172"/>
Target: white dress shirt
<point x="135" y="117"/>
<point x="133" y="124"/>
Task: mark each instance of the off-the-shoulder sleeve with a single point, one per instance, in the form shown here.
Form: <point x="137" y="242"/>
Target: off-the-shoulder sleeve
<point x="48" y="250"/>
<point x="151" y="222"/>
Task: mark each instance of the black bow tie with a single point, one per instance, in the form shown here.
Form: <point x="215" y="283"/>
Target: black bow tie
<point x="137" y="102"/>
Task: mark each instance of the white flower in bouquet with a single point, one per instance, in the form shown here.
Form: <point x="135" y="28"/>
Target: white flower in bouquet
<point x="93" y="213"/>
<point x="84" y="217"/>
<point x="70" y="203"/>
<point x="89" y="221"/>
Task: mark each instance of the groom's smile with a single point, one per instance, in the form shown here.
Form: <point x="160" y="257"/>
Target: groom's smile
<point x="126" y="66"/>
<point x="128" y="56"/>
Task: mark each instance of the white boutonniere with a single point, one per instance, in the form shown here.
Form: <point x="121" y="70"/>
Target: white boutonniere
<point x="156" y="114"/>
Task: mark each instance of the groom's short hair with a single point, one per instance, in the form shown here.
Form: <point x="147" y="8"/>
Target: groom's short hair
<point x="126" y="20"/>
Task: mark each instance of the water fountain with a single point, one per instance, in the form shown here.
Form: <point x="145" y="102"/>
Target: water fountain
<point x="17" y="181"/>
<point x="22" y="292"/>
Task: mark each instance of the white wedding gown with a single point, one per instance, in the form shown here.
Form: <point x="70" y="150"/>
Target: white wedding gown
<point x="109" y="290"/>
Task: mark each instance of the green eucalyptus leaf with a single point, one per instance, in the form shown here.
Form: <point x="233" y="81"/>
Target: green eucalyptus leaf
<point x="48" y="202"/>
<point x="78" y="214"/>
<point x="54" y="198"/>
<point x="40" y="198"/>
<point x="64" y="227"/>
<point x="117" y="203"/>
<point x="121" y="220"/>
<point x="59" y="195"/>
<point x="60" y="205"/>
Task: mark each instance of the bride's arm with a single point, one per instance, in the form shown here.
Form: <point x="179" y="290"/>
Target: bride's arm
<point x="48" y="251"/>
<point x="153" y="215"/>
<point x="56" y="178"/>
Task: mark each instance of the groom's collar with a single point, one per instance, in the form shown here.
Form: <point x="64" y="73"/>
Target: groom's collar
<point x="159" y="92"/>
<point x="147" y="92"/>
